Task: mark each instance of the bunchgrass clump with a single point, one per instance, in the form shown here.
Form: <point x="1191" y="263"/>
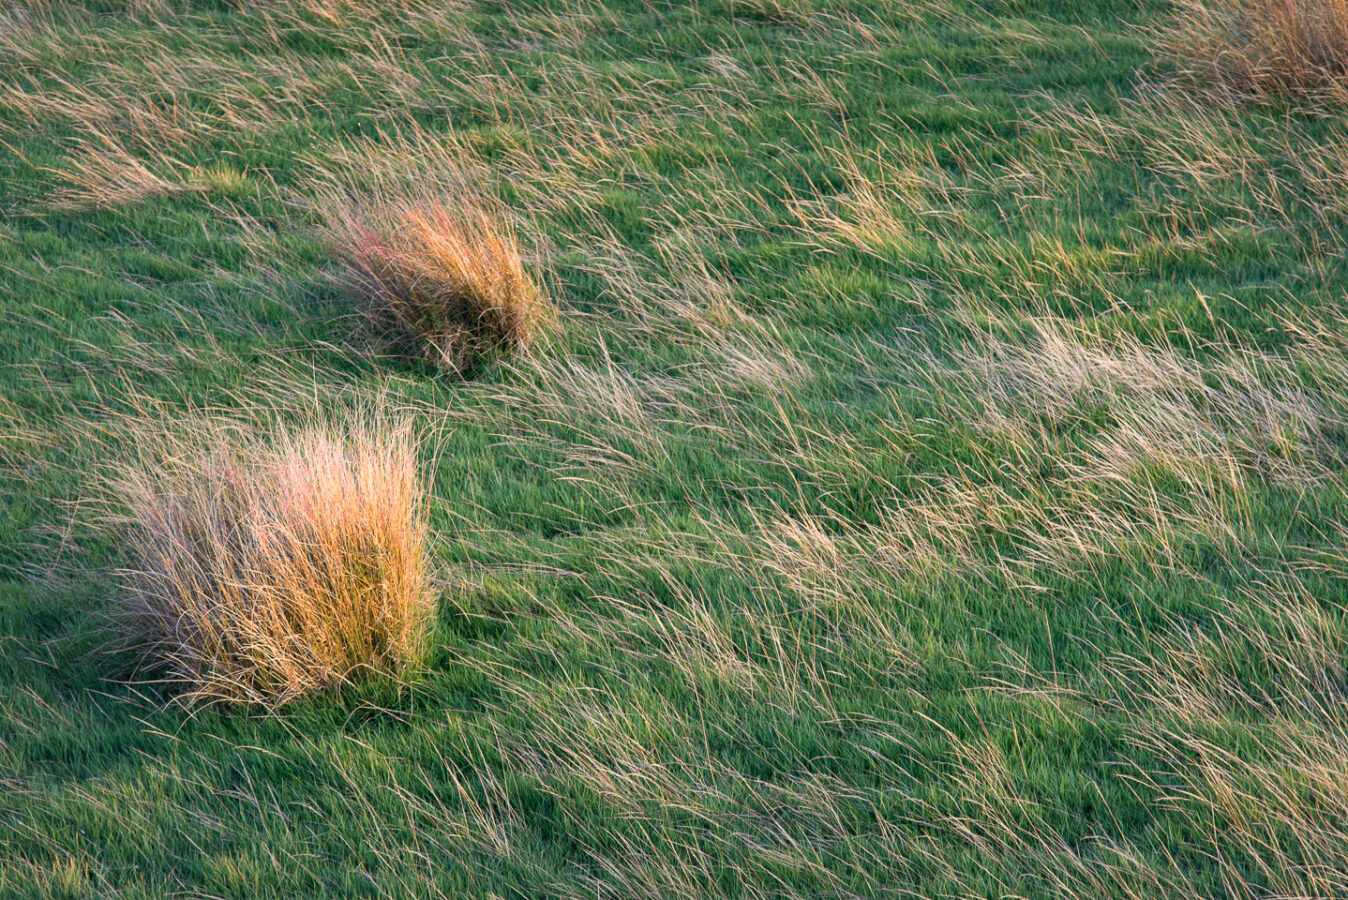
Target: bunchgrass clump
<point x="440" y="285"/>
<point x="271" y="563"/>
<point x="1256" y="48"/>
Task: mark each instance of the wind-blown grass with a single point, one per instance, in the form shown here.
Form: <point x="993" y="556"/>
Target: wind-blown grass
<point x="932" y="487"/>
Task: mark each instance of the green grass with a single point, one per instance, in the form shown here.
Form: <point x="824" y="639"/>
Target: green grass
<point x="934" y="487"/>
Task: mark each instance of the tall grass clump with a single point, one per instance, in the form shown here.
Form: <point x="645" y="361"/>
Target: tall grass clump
<point x="1261" y="47"/>
<point x="269" y="563"/>
<point x="441" y="285"/>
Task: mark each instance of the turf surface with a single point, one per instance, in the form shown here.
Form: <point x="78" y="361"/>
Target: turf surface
<point x="934" y="487"/>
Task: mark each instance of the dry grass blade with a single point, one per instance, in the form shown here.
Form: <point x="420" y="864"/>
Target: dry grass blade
<point x="272" y="563"/>
<point x="441" y="285"/>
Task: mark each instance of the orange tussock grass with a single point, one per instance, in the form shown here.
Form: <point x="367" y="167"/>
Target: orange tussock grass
<point x="446" y="287"/>
<point x="1261" y="47"/>
<point x="269" y="563"/>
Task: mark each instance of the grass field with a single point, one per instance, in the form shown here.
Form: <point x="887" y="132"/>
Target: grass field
<point x="932" y="483"/>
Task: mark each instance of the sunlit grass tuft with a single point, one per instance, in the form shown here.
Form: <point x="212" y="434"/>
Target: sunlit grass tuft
<point x="271" y="563"/>
<point x="446" y="286"/>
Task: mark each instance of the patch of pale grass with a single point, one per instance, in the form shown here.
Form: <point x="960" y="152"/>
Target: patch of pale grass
<point x="1227" y="410"/>
<point x="102" y="174"/>
<point x="269" y="563"/>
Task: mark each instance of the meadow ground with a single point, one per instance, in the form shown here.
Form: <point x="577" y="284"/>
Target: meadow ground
<point x="931" y="484"/>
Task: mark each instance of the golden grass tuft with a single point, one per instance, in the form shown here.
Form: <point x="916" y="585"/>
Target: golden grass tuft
<point x="445" y="286"/>
<point x="273" y="562"/>
<point x="1262" y="47"/>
